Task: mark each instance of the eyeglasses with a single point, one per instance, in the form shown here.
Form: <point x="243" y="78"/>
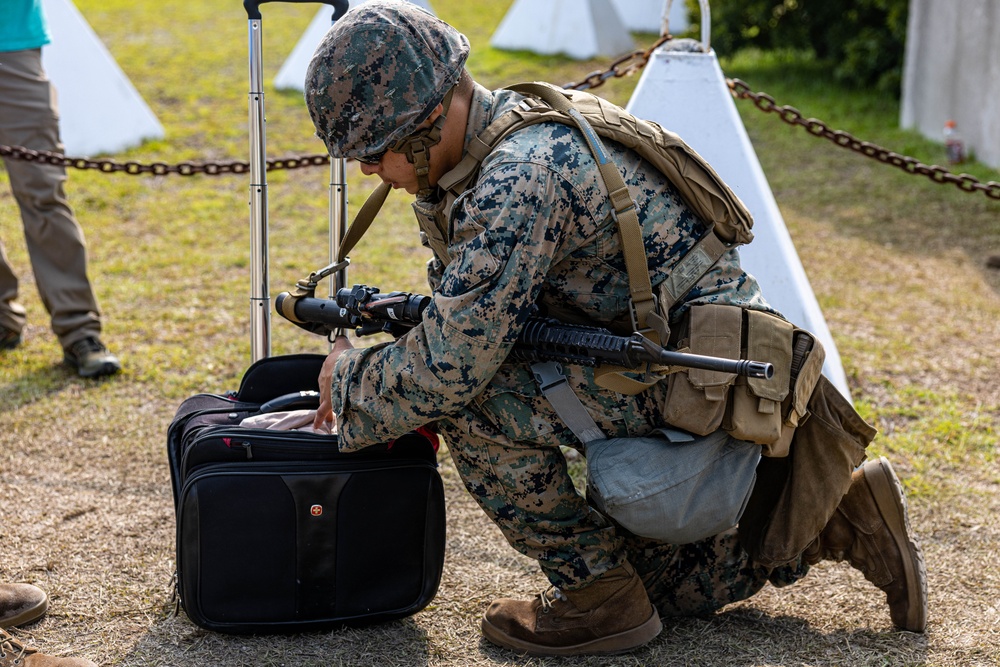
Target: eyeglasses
<point x="373" y="159"/>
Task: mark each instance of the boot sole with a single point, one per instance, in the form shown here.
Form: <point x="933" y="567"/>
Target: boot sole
<point x="105" y="369"/>
<point x="891" y="502"/>
<point x="609" y="645"/>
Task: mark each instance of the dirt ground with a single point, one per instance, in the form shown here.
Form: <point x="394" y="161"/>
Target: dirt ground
<point x="88" y="516"/>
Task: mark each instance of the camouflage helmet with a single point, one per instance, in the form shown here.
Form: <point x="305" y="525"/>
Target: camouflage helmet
<point x="379" y="73"/>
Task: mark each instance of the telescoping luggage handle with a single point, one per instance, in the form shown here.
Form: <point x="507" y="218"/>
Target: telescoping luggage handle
<point x="260" y="298"/>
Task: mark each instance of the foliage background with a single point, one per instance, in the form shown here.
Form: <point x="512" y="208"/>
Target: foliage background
<point x="862" y="40"/>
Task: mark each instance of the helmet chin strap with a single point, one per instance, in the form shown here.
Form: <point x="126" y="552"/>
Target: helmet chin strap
<point x="417" y="150"/>
<point x="417" y="147"/>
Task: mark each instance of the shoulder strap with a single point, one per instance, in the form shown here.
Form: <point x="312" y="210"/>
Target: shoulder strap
<point x="640" y="288"/>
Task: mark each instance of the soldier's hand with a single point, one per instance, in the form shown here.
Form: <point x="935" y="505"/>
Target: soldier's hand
<point x="324" y="413"/>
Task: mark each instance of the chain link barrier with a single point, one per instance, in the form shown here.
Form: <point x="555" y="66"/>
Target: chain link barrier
<point x="818" y="128"/>
<point x="622" y="67"/>
<point x="158" y="168"/>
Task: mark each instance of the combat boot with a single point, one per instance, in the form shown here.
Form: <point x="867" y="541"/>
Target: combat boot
<point x="611" y="615"/>
<point x="21" y="603"/>
<point x="15" y="654"/>
<point x="871" y="530"/>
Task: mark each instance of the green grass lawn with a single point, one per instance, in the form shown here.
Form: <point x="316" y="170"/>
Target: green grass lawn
<point x="897" y="263"/>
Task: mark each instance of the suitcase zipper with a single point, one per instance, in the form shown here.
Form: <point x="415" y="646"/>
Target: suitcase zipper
<point x="284" y="442"/>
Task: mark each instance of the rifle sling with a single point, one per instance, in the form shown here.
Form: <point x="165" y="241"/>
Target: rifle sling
<point x="555" y="387"/>
<point x="363" y="220"/>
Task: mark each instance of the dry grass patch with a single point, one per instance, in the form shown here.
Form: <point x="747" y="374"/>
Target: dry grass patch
<point x="897" y="264"/>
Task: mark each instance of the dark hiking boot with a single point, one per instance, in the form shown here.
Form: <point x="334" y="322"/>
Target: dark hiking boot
<point x="9" y="339"/>
<point x="20" y="604"/>
<point x="91" y="359"/>
<point x="611" y="615"/>
<point x="15" y="654"/>
<point x="871" y="530"/>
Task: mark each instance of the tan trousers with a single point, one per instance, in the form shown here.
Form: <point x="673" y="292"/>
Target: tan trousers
<point x="29" y="118"/>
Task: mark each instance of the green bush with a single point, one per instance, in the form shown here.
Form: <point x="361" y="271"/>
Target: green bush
<point x="863" y="40"/>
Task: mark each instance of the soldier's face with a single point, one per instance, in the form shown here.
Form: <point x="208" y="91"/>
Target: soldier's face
<point x="395" y="170"/>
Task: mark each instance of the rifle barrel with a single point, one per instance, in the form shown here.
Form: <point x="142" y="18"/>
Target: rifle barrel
<point x="747" y="367"/>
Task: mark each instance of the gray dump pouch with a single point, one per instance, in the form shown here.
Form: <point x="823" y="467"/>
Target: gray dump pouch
<point x="671" y="486"/>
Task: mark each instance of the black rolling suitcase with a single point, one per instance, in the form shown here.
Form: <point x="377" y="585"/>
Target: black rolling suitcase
<point x="277" y="531"/>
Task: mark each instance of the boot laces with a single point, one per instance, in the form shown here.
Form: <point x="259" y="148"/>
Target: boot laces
<point x="8" y="643"/>
<point x="549" y="597"/>
<point x="82" y="348"/>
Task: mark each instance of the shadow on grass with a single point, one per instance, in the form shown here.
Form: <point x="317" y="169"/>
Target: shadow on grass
<point x="25" y="384"/>
<point x="177" y="641"/>
<point x="739" y="638"/>
<point x="747" y="637"/>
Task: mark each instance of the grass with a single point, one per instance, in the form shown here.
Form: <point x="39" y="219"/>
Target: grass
<point x="897" y="263"/>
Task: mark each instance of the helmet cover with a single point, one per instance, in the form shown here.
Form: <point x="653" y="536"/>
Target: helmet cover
<point x="378" y="74"/>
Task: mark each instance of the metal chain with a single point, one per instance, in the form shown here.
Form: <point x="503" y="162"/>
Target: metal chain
<point x="624" y="66"/>
<point x="158" y="168"/>
<point x="818" y="128"/>
<point x="638" y="59"/>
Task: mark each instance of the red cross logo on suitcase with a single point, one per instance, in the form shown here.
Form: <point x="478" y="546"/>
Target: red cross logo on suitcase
<point x="316" y="510"/>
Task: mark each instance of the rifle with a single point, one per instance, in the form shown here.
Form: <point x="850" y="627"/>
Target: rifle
<point x="368" y="311"/>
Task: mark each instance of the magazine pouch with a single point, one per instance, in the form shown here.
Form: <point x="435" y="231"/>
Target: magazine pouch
<point x="696" y="399"/>
<point x="755" y="411"/>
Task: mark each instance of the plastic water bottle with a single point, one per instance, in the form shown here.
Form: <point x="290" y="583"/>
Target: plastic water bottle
<point x="953" y="145"/>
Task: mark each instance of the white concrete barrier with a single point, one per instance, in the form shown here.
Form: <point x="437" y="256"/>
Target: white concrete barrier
<point x="687" y="93"/>
<point x="647" y="15"/>
<point x="952" y="72"/>
<point x="580" y="29"/>
<point x="100" y="110"/>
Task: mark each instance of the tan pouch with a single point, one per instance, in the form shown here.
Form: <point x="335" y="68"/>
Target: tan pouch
<point x="808" y="357"/>
<point x="755" y="413"/>
<point x="696" y="399"/>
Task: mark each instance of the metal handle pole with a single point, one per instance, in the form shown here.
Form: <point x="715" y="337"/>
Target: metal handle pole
<point x="338" y="204"/>
<point x="338" y="221"/>
<point x="260" y="298"/>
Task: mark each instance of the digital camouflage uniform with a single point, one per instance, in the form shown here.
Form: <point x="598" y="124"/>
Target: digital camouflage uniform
<point x="534" y="229"/>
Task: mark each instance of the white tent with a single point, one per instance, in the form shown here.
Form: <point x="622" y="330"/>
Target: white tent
<point x="647" y="15"/>
<point x="580" y="29"/>
<point x="292" y="74"/>
<point x="687" y="94"/>
<point x="100" y="110"/>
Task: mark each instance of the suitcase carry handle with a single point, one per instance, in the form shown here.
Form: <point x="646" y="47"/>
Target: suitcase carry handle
<point x="253" y="6"/>
<point x="300" y="400"/>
